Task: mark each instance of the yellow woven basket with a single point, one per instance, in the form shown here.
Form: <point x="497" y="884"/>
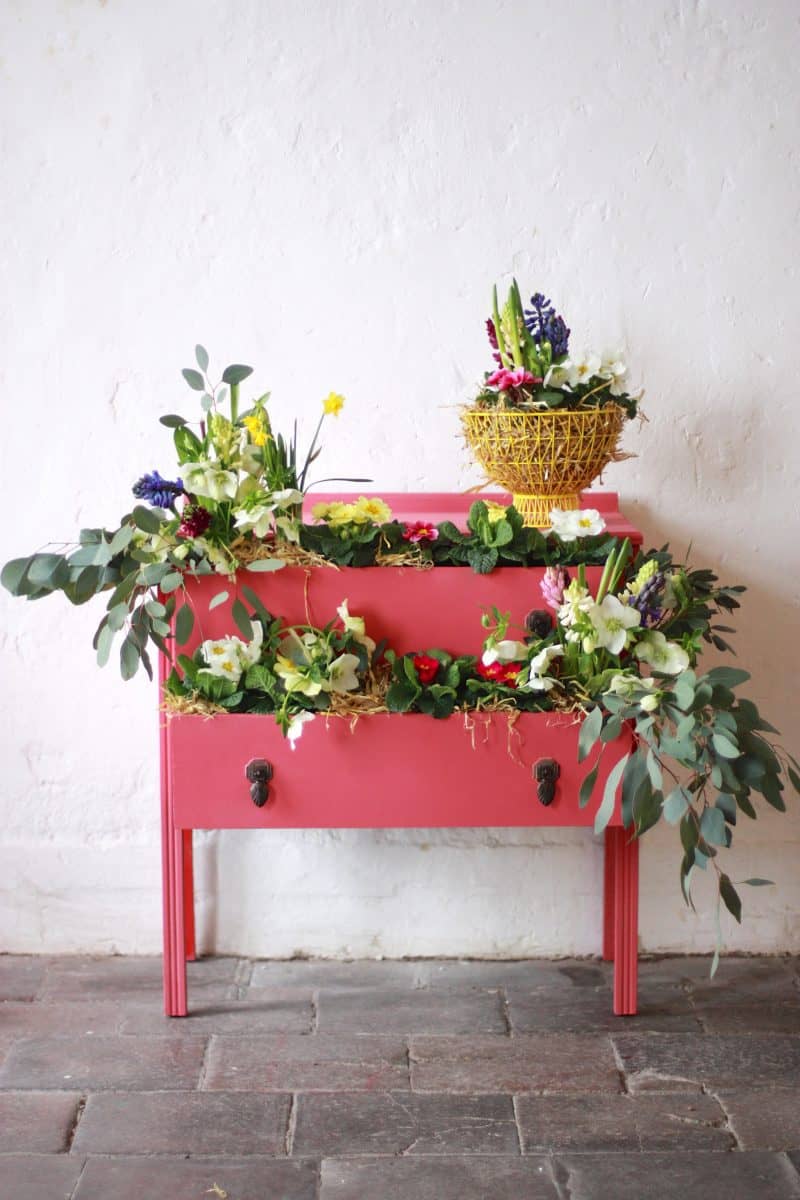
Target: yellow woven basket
<point x="545" y="459"/>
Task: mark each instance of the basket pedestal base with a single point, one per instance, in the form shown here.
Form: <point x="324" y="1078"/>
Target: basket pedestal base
<point x="535" y="509"/>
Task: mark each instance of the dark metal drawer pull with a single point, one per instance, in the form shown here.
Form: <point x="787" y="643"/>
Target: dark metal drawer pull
<point x="259" y="772"/>
<point x="546" y="771"/>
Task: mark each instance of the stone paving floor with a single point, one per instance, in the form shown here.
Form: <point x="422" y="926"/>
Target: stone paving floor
<point x="398" y="1081"/>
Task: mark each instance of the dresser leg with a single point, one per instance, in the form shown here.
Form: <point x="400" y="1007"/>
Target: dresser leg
<point x="609" y="863"/>
<point x="626" y="923"/>
<point x="188" y="896"/>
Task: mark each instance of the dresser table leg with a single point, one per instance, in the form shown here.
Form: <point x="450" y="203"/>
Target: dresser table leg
<point x="609" y="865"/>
<point x="188" y="896"/>
<point x="626" y="922"/>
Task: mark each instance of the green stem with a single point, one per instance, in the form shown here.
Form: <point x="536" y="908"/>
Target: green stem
<point x="622" y="559"/>
<point x="498" y="330"/>
<point x="301" y="481"/>
<point x="234" y="403"/>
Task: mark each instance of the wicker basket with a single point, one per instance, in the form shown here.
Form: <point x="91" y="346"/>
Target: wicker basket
<point x="545" y="459"/>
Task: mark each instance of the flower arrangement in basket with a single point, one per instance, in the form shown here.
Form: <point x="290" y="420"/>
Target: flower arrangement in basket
<point x="546" y="421"/>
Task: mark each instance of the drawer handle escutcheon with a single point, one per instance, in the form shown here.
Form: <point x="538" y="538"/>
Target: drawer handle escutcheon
<point x="546" y="771"/>
<point x="259" y="772"/>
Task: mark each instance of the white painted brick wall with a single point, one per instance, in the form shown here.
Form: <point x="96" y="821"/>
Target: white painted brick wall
<point x="328" y="190"/>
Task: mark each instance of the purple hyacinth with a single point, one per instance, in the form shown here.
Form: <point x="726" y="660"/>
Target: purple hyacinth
<point x="544" y="325"/>
<point x="157" y="491"/>
<point x="555" y="580"/>
<point x="648" y="599"/>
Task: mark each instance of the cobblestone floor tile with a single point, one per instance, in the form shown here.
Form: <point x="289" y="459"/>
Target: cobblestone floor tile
<point x="36" y="1122"/>
<point x="183" y="1123"/>
<point x="734" y="1015"/>
<point x="448" y="1178"/>
<point x="322" y="1062"/>
<point x="527" y="1063"/>
<point x="21" y="976"/>
<point x="20" y="1020"/>
<point x="335" y="1124"/>
<point x="747" y="1176"/>
<point x="132" y="978"/>
<point x="562" y="976"/>
<point x="391" y="1010"/>
<point x="326" y="973"/>
<point x="666" y="1062"/>
<point x="281" y="1010"/>
<point x="196" y="1179"/>
<point x="589" y="1009"/>
<point x="95" y="1063"/>
<point x="39" y="1176"/>
<point x="764" y="1120"/>
<point x="615" y="1123"/>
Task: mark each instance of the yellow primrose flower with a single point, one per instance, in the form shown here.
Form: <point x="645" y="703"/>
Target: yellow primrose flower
<point x="320" y="511"/>
<point x="495" y="512"/>
<point x="294" y="679"/>
<point x="372" y="510"/>
<point x="341" y="514"/>
<point x="333" y="404"/>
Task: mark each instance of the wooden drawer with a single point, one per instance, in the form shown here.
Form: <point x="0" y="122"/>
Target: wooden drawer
<point x="411" y="609"/>
<point x="389" y="771"/>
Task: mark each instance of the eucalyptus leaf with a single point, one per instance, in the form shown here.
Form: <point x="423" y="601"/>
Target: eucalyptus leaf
<point x="712" y="826"/>
<point x="260" y="565"/>
<point x="170" y="582"/>
<point x="759" y="882"/>
<point x="724" y="746"/>
<point x="242" y="619"/>
<point x="236" y="373"/>
<point x="730" y="897"/>
<point x="606" y="809"/>
<point x="194" y="379"/>
<point x="201" y="357"/>
<point x="129" y="657"/>
<point x="589" y="732"/>
<point x="148" y="519"/>
<point x="587" y="786"/>
<point x="215" y="601"/>
<point x="675" y="805"/>
<point x="172" y="421"/>
<point x="184" y="624"/>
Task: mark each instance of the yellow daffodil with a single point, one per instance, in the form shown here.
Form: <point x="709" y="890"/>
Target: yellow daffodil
<point x="257" y="428"/>
<point x="333" y="404"/>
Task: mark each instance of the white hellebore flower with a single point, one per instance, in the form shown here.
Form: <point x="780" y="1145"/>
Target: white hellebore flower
<point x="206" y="479"/>
<point x="251" y="653"/>
<point x="504" y="652"/>
<point x="667" y="657"/>
<point x="295" y="729"/>
<point x="355" y="626"/>
<point x="342" y="673"/>
<point x="578" y="523"/>
<point x="611" y="620"/>
<point x="537" y="680"/>
<point x="637" y="689"/>
<point x="256" y="520"/>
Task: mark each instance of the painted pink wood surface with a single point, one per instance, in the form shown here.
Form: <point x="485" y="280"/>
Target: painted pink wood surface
<point x="389" y="771"/>
<point x="411" y="609"/>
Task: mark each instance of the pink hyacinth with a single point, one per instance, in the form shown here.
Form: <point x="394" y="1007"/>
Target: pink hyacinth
<point x="505" y="379"/>
<point x="553" y="584"/>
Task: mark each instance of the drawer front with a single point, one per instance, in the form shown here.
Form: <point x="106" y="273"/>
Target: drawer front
<point x="410" y="608"/>
<point x="385" y="772"/>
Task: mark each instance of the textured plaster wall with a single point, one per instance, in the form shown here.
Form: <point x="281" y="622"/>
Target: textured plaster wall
<point x="328" y="190"/>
